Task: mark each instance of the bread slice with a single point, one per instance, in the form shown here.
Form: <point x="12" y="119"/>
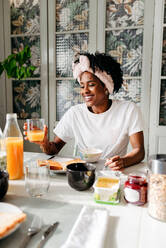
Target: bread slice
<point x="55" y="165"/>
<point x="8" y="221"/>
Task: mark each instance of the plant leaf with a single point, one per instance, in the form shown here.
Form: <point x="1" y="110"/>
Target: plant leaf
<point x="32" y="68"/>
<point x="1" y="68"/>
<point x="18" y="65"/>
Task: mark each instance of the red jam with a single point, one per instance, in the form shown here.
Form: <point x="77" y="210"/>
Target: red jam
<point x="135" y="189"/>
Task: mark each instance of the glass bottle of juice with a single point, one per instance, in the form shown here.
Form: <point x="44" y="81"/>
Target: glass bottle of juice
<point x="14" y="147"/>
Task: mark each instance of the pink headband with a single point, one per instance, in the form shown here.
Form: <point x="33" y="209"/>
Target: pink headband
<point x="84" y="65"/>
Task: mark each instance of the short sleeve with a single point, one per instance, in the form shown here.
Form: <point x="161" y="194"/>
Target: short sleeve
<point x="64" y="127"/>
<point x="135" y="120"/>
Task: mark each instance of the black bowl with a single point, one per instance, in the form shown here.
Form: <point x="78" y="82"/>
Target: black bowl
<point x="4" y="177"/>
<point x="81" y="176"/>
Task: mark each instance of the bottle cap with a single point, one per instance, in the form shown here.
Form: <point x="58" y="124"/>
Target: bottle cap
<point x="11" y="116"/>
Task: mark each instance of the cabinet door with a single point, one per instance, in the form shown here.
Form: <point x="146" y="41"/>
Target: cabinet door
<point x="72" y="29"/>
<point x="125" y="31"/>
<point x="25" y="23"/>
<point x="157" y="140"/>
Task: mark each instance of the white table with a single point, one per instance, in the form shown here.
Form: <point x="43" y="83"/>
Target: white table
<point x="129" y="226"/>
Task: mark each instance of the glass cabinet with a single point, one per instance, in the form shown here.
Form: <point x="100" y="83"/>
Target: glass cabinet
<point x="56" y="30"/>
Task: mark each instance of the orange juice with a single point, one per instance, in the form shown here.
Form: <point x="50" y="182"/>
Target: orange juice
<point x="35" y="135"/>
<point x="14" y="149"/>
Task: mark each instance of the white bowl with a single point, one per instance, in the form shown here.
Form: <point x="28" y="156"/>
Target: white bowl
<point x="91" y="154"/>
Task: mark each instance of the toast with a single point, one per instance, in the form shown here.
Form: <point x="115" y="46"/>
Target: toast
<point x="55" y="165"/>
<point x="8" y="221"/>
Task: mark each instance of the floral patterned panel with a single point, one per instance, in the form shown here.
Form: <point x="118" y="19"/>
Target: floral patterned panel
<point x="130" y="91"/>
<point x="18" y="43"/>
<point x="163" y="66"/>
<point x="124" y="13"/>
<point x="26" y="98"/>
<point x="72" y="15"/>
<point x="68" y="94"/>
<point x="67" y="45"/>
<point x="162" y="120"/>
<point x="25" y="16"/>
<point x="126" y="47"/>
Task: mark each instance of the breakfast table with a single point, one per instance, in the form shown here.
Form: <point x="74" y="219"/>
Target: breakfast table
<point x="129" y="225"/>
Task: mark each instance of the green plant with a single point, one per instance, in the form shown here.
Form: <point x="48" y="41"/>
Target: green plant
<point x="18" y="65"/>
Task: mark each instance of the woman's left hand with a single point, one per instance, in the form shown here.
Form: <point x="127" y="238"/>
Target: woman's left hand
<point x="115" y="163"/>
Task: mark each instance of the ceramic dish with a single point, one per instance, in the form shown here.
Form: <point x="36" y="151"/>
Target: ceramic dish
<point x="10" y="208"/>
<point x="81" y="176"/>
<point x="91" y="155"/>
<point x="54" y="172"/>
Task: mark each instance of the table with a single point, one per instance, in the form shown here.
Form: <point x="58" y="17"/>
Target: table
<point x="129" y="226"/>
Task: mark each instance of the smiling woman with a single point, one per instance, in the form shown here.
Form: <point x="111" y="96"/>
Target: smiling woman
<point x="100" y="122"/>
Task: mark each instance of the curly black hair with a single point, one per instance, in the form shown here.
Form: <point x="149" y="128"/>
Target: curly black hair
<point x="106" y="63"/>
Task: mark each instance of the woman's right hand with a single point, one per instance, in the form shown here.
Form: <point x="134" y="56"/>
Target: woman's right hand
<point x="41" y="143"/>
<point x="46" y="146"/>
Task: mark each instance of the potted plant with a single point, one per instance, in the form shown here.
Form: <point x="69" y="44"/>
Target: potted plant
<point x="18" y="65"/>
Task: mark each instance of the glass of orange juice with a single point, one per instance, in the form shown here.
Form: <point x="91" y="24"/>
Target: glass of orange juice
<point x="35" y="129"/>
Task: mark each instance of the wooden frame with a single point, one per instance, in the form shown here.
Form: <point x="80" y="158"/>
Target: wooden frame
<point x="147" y="69"/>
<point x="2" y="77"/>
<point x="157" y="138"/>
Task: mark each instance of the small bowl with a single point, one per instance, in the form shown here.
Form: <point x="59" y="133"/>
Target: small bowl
<point x="81" y="176"/>
<point x="4" y="177"/>
<point x="91" y="154"/>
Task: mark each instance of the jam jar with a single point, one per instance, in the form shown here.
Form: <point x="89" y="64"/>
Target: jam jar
<point x="135" y="189"/>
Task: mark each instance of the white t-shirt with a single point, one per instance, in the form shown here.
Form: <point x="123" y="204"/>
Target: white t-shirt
<point x="108" y="131"/>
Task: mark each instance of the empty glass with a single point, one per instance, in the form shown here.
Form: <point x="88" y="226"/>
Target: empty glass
<point x="37" y="179"/>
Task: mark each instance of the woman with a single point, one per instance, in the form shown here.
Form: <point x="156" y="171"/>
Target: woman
<point x="100" y="122"/>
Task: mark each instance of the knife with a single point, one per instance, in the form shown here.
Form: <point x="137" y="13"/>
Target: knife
<point x="47" y="233"/>
<point x="51" y="157"/>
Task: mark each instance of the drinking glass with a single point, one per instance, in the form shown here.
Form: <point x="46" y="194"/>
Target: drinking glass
<point x="35" y="129"/>
<point x="37" y="179"/>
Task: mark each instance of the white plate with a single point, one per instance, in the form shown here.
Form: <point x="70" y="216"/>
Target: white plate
<point x="54" y="172"/>
<point x="6" y="207"/>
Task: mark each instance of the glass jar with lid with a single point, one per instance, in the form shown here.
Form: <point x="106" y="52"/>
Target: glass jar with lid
<point x="157" y="187"/>
<point x="135" y="189"/>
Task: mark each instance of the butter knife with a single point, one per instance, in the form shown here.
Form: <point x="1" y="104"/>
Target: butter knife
<point x="51" y="157"/>
<point x="47" y="233"/>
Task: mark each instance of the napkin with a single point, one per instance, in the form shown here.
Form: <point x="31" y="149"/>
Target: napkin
<point x="89" y="229"/>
